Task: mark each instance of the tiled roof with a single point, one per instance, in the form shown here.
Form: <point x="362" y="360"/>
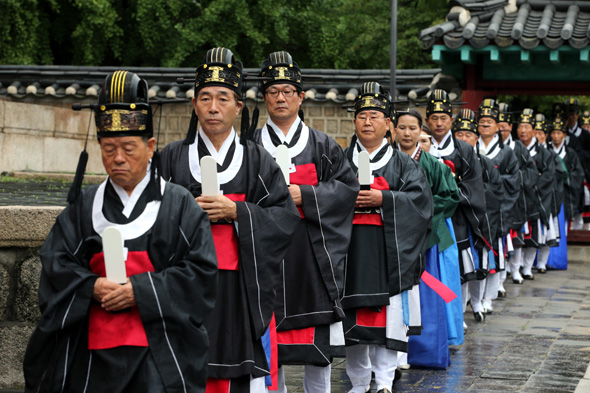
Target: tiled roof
<point x="83" y="83"/>
<point x="527" y="23"/>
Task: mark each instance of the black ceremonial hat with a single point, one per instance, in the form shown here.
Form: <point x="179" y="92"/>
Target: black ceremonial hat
<point x="558" y="125"/>
<point x="572" y="105"/>
<point x="488" y="108"/>
<point x="505" y="114"/>
<point x="585" y="118"/>
<point x="372" y="97"/>
<point x="123" y="107"/>
<point x="558" y="110"/>
<point x="527" y="116"/>
<point x="280" y="67"/>
<point x="540" y="124"/>
<point x="438" y="102"/>
<point x="220" y="68"/>
<point x="465" y="121"/>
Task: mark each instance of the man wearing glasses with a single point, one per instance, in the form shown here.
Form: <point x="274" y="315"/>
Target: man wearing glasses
<point x="308" y="311"/>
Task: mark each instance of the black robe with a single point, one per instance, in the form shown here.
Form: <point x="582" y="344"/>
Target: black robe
<point x="174" y="292"/>
<point x="505" y="161"/>
<point x="266" y="221"/>
<point x="469" y="220"/>
<point x="583" y="137"/>
<point x="574" y="182"/>
<point x="526" y="203"/>
<point x="313" y="268"/>
<point x="544" y="189"/>
<point x="495" y="194"/>
<point x="387" y="250"/>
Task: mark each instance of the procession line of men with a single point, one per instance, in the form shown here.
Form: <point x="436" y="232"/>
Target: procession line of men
<point x="225" y="291"/>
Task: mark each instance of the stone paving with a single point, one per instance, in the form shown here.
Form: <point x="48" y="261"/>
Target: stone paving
<point x="537" y="340"/>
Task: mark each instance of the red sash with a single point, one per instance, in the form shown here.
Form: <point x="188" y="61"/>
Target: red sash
<point x="371" y="318"/>
<point x="110" y="330"/>
<point x="304" y="175"/>
<point x="226" y="241"/>
<point x="297" y="336"/>
<point x="379" y="183"/>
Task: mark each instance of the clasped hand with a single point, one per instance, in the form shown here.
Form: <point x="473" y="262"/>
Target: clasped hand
<point x="218" y="207"/>
<point x="369" y="198"/>
<point x="113" y="296"/>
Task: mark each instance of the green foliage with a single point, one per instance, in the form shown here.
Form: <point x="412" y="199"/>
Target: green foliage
<point x="177" y="33"/>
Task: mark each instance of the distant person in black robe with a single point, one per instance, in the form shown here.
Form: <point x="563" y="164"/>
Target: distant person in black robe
<point x="467" y="129"/>
<point x="147" y="335"/>
<point x="323" y="187"/>
<point x="253" y="220"/>
<point x="491" y="145"/>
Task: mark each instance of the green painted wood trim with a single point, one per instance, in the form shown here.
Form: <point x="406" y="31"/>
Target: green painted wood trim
<point x="585" y="55"/>
<point x="554" y="57"/>
<point x="525" y="56"/>
<point x="495" y="56"/>
<point x="467" y="56"/>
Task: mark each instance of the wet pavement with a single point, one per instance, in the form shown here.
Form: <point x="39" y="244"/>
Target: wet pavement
<point x="537" y="340"/>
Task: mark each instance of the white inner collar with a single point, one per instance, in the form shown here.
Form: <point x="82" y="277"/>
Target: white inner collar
<point x="294" y="150"/>
<point x="231" y="171"/>
<point x="374" y="165"/>
<point x="434" y="148"/>
<point x="129" y="201"/>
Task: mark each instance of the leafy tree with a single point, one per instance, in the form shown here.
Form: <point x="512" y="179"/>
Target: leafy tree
<point x="177" y="33"/>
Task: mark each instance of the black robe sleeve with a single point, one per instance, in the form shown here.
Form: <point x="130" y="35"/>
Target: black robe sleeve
<point x="407" y="219"/>
<point x="574" y="183"/>
<point x="495" y="191"/>
<point x="266" y="221"/>
<point x="509" y="171"/>
<point x="329" y="209"/>
<point x="546" y="166"/>
<point x="527" y="206"/>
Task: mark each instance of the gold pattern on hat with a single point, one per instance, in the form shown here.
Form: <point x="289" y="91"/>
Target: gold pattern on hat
<point x="215" y="75"/>
<point x="282" y="71"/>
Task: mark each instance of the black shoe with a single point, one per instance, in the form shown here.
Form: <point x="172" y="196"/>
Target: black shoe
<point x="528" y="276"/>
<point x="508" y="274"/>
<point x="517" y="280"/>
<point x="479" y="316"/>
<point x="501" y="293"/>
<point x="488" y="311"/>
<point x="541" y="271"/>
<point x="398" y="375"/>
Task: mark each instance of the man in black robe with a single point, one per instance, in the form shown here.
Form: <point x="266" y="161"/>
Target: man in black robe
<point x="572" y="112"/>
<point x="465" y="128"/>
<point x="526" y="204"/>
<point x="491" y="145"/>
<point x="471" y="227"/>
<point x="146" y="335"/>
<point x="536" y="228"/>
<point x="541" y="130"/>
<point x="253" y="220"/>
<point x="324" y="189"/>
<point x="392" y="224"/>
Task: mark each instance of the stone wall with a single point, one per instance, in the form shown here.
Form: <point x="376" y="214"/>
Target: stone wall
<point x="22" y="232"/>
<point x="49" y="136"/>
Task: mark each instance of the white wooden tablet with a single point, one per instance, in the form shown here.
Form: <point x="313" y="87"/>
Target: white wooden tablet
<point x="284" y="160"/>
<point x="114" y="255"/>
<point x="209" y="183"/>
<point x="364" y="165"/>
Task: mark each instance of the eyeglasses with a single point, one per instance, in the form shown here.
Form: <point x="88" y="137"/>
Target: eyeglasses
<point x="371" y="119"/>
<point x="275" y="93"/>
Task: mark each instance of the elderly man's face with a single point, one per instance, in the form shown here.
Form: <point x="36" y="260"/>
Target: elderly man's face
<point x="557" y="137"/>
<point x="126" y="159"/>
<point x="283" y="102"/>
<point x="572" y="118"/>
<point x="541" y="136"/>
<point x="505" y="129"/>
<point x="371" y="127"/>
<point x="217" y="108"/>
<point x="467" y="136"/>
<point x="439" y="124"/>
<point x="487" y="127"/>
<point x="525" y="133"/>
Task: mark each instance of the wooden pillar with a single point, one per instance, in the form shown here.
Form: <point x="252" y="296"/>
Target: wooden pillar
<point x="471" y="94"/>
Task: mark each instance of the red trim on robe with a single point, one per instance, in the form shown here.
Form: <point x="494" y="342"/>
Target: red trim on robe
<point x="305" y="174"/>
<point x="215" y="385"/>
<point x="370" y="318"/>
<point x="110" y="330"/>
<point x="226" y="241"/>
<point x="450" y="164"/>
<point x="379" y="183"/>
<point x="274" y="355"/>
<point x="297" y="336"/>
